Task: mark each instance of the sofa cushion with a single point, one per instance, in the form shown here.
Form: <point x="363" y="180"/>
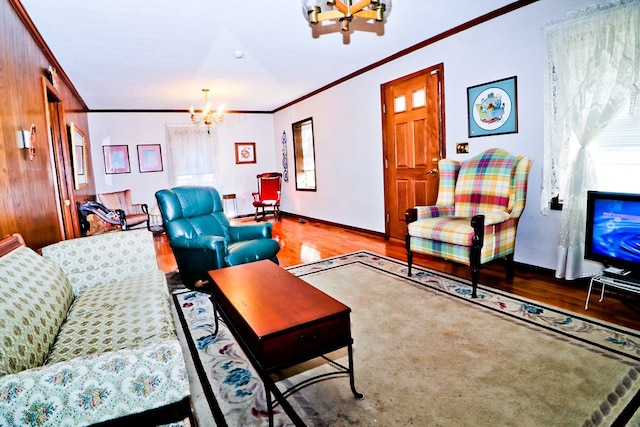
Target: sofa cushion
<point x="104" y="258"/>
<point x="35" y="296"/>
<point x="116" y="316"/>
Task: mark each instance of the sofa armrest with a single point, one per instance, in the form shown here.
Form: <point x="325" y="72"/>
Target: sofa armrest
<point x="96" y="388"/>
<point x="250" y="232"/>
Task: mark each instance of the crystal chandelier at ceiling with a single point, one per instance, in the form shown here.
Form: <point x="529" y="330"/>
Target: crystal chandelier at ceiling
<point x="209" y="116"/>
<point x="345" y="10"/>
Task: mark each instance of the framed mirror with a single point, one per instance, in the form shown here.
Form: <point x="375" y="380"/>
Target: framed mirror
<point x="304" y="155"/>
<point x="78" y="156"/>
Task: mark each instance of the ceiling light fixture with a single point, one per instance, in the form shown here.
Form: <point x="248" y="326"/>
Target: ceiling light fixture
<point x="209" y="116"/>
<point x="345" y="10"/>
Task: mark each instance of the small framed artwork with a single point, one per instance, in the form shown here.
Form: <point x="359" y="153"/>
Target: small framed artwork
<point x="77" y="149"/>
<point x="149" y="158"/>
<point x="245" y="152"/>
<point x="493" y="108"/>
<point x="116" y="159"/>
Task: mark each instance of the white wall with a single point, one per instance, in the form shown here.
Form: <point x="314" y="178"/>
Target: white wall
<point x="348" y="124"/>
<point x="132" y="129"/>
<point x="348" y="130"/>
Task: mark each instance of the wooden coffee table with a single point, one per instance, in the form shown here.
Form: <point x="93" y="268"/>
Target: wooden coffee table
<point x="280" y="321"/>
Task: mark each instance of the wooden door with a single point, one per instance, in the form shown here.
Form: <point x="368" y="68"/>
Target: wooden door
<point x="413" y="143"/>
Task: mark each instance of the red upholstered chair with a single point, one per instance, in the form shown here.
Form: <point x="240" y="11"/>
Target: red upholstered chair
<point x="120" y="202"/>
<point x="268" y="194"/>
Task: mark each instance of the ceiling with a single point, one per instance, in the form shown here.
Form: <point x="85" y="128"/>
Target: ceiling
<point x="134" y="55"/>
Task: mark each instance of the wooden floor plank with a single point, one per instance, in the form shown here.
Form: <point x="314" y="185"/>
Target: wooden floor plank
<point x="304" y="241"/>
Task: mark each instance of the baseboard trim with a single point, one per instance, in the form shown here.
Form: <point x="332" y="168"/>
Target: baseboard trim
<point x="335" y="224"/>
<point x="519" y="265"/>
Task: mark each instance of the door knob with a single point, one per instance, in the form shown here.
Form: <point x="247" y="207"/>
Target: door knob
<point x="434" y="159"/>
<point x="433" y="171"/>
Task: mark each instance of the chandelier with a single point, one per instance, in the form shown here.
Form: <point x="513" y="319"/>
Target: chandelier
<point x="345" y="10"/>
<point x="209" y="116"/>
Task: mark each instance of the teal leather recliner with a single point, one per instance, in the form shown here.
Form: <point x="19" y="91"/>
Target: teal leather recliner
<point x="202" y="238"/>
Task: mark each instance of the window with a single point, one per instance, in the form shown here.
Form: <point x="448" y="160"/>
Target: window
<point x="592" y="118"/>
<point x="192" y="155"/>
<point x="592" y="136"/>
<point x="616" y="154"/>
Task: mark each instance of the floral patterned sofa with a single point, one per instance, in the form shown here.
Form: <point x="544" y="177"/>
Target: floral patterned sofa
<point x="87" y="334"/>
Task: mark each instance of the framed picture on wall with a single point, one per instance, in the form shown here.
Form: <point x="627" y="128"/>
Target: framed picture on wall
<point x="76" y="141"/>
<point x="245" y="152"/>
<point x="493" y="108"/>
<point x="149" y="158"/>
<point x="116" y="159"/>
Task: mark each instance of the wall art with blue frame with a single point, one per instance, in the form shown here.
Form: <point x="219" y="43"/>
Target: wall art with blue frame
<point x="493" y="108"/>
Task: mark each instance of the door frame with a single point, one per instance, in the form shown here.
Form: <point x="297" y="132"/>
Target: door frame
<point x="438" y="68"/>
<point x="61" y="163"/>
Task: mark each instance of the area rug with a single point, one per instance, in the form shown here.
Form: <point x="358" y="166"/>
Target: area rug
<point x="425" y="353"/>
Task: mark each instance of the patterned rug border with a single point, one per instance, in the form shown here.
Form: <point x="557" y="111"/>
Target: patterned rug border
<point x="606" y="338"/>
<point x="207" y="388"/>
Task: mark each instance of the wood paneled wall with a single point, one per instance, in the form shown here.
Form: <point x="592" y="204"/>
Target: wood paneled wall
<point x="29" y="203"/>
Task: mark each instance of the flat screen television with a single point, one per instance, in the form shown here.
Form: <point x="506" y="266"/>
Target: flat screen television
<point x="613" y="232"/>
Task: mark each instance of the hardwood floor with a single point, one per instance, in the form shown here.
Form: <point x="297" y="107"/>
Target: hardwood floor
<point x="306" y="241"/>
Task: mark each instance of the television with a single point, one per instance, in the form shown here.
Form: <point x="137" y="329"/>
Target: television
<point x="613" y="233"/>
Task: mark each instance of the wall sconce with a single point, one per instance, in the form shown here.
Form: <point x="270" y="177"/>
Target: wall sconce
<point x="27" y="140"/>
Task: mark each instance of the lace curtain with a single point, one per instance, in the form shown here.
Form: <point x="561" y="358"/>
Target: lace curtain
<point x="192" y="155"/>
<point x="592" y="71"/>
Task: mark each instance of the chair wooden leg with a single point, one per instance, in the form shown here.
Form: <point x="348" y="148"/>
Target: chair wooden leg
<point x="475" y="276"/>
<point x="477" y="222"/>
<point x="407" y="243"/>
<point x="509" y="266"/>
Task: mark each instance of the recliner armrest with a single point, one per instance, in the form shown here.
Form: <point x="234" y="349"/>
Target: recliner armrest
<point x="250" y="231"/>
<point x="213" y="243"/>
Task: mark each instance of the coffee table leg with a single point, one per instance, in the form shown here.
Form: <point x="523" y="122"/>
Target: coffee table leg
<point x="352" y="380"/>
<point x="271" y="388"/>
<point x="267" y="394"/>
<point x="215" y="317"/>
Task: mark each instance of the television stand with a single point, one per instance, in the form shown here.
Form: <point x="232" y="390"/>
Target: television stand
<point x="625" y="283"/>
<point x="617" y="273"/>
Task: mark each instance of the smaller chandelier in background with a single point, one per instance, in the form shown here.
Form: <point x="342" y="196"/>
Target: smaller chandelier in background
<point x="345" y="10"/>
<point x="209" y="116"/>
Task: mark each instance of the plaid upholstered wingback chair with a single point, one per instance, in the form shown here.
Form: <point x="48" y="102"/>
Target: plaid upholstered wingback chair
<point x="476" y="215"/>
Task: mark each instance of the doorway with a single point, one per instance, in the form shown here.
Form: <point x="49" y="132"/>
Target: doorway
<point x="61" y="161"/>
<point x="413" y="143"/>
